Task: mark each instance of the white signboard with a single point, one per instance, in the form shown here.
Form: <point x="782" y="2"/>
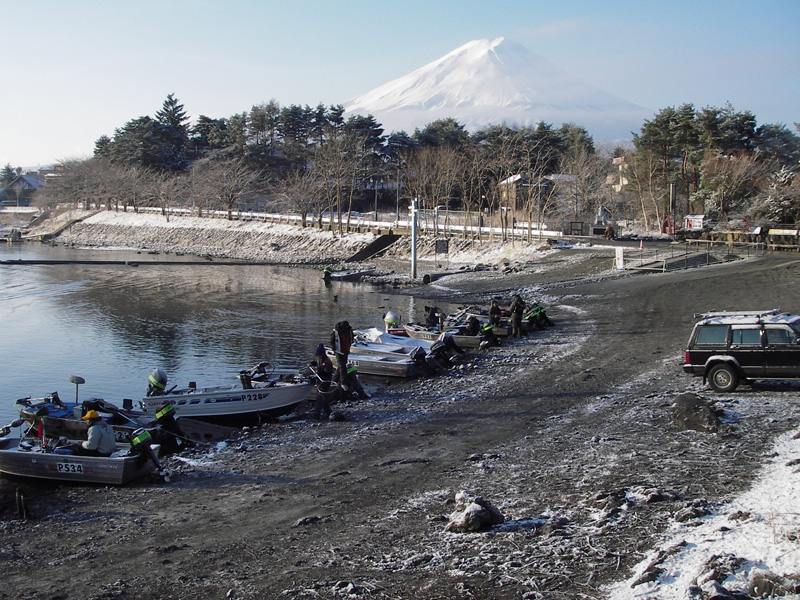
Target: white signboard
<point x="619" y="259"/>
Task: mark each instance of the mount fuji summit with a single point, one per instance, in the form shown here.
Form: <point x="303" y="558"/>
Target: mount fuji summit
<point x="490" y="82"/>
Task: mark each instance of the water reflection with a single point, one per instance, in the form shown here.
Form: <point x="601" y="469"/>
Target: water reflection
<point x="112" y="324"/>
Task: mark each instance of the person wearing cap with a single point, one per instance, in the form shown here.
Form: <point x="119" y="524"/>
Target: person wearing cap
<point x="324" y="371"/>
<point x="100" y="437"/>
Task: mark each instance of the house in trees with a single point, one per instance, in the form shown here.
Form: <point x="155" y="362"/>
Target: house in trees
<point x="21" y="189"/>
<point x="618" y="180"/>
<point x="517" y="189"/>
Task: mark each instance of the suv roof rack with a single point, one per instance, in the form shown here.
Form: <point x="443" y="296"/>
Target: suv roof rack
<point x="737" y="313"/>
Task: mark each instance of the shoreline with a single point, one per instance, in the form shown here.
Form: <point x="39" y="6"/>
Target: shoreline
<point x="568" y="432"/>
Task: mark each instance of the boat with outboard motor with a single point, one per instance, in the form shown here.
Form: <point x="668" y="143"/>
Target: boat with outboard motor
<point x="376" y="336"/>
<point x="384" y="364"/>
<point x="424" y="332"/>
<point x="53" y="417"/>
<point x="258" y="396"/>
<point x="46" y="459"/>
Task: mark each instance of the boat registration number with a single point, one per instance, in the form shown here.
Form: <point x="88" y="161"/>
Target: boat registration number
<point x="69" y="467"/>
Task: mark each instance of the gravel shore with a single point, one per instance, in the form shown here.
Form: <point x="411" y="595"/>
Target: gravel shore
<point x="568" y="433"/>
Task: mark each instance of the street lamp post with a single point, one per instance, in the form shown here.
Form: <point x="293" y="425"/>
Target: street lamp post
<point x="375" y="188"/>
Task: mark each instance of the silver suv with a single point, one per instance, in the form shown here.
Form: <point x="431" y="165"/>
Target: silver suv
<point x="727" y="348"/>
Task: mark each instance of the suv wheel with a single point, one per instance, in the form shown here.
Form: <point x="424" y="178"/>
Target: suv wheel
<point x="723" y="378"/>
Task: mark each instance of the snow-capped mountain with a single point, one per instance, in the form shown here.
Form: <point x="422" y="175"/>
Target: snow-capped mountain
<point x="497" y="81"/>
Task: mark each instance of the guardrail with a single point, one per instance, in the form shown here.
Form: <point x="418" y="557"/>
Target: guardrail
<point x="688" y="254"/>
<point x="362" y="224"/>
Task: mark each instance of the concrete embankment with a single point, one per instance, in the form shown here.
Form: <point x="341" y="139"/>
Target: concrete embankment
<point x="218" y="238"/>
<point x="256" y="241"/>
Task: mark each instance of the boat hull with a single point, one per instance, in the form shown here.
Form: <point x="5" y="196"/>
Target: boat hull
<point x="228" y="404"/>
<point x="464" y="341"/>
<point x="376" y="336"/>
<point x="114" y="470"/>
<point x="62" y="419"/>
<point x="384" y="366"/>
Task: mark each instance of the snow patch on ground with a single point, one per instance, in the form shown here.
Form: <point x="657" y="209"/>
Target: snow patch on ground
<point x="761" y="526"/>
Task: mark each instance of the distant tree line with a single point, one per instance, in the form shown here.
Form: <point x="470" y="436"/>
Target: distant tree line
<point x="310" y="160"/>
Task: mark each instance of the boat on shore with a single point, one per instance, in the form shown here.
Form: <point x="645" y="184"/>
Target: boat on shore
<point x="255" y="398"/>
<point x="63" y="419"/>
<point x="41" y="460"/>
<point x="377" y="336"/>
<point x="431" y="334"/>
<point x="383" y="365"/>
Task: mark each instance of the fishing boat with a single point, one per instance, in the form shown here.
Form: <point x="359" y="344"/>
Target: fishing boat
<point x="63" y="419"/>
<point x="383" y="365"/>
<point x="423" y="332"/>
<point x="376" y="336"/>
<point x="459" y="320"/>
<point x="439" y="353"/>
<point x="363" y="346"/>
<point x="348" y="275"/>
<point x="352" y="275"/>
<point x="51" y="417"/>
<point x="41" y="460"/>
<point x="257" y="396"/>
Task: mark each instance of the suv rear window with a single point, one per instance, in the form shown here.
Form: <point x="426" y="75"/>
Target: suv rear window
<point x="780" y="335"/>
<point x="712" y="334"/>
<point x="746" y="337"/>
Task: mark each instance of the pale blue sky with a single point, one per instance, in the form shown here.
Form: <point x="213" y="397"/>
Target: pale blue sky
<point x="78" y="69"/>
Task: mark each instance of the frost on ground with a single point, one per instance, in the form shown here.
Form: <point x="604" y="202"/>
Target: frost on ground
<point x="569" y="433"/>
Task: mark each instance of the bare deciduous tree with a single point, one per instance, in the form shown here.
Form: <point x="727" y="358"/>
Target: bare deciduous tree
<point x="299" y="190"/>
<point x="224" y="183"/>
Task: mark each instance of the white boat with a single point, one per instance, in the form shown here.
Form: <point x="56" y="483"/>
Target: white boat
<point x="383" y="365"/>
<point x="29" y="458"/>
<point x="255" y="397"/>
<point x="376" y="336"/>
<point x="361" y="346"/>
<point x="422" y="332"/>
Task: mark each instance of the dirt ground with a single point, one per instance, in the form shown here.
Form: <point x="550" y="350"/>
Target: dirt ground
<point x="567" y="432"/>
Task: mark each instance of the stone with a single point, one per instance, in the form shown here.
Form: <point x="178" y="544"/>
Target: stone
<point x="690" y="411"/>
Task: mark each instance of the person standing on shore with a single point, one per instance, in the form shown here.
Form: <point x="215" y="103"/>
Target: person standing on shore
<point x="517" y="309"/>
<point x="324" y="373"/>
<point x="342" y="339"/>
<point x="495" y="313"/>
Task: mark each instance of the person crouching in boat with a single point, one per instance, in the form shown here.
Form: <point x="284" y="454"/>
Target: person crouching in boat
<point x="100" y="437"/>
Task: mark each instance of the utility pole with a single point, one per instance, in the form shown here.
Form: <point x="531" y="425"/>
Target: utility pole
<point x="414" y="238"/>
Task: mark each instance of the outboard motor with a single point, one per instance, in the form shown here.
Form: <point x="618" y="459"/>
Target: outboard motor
<point x="141" y="444"/>
<point x="156" y="382"/>
<point x="170" y="432"/>
<point x="391" y="322"/>
<point x="256" y="373"/>
<point x="418" y="355"/>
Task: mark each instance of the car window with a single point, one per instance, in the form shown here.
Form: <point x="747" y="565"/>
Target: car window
<point x="712" y="334"/>
<point x="781" y="336"/>
<point x="751" y="337"/>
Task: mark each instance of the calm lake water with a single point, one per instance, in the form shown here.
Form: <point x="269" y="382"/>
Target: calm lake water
<point x="113" y="324"/>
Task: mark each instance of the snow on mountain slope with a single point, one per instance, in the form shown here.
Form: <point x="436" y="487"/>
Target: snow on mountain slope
<point x="494" y="81"/>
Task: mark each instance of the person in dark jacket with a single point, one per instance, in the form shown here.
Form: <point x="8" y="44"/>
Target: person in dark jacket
<point x="323" y="369"/>
<point x="351" y="385"/>
<point x="342" y="338"/>
<point x="495" y="312"/>
<point x="517" y="309"/>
